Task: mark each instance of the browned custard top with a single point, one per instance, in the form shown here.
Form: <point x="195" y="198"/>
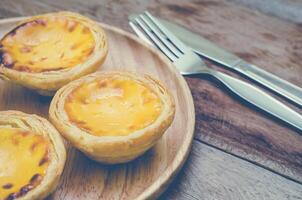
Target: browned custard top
<point x="113" y="106"/>
<point x="24" y="159"/>
<point x="46" y="44"/>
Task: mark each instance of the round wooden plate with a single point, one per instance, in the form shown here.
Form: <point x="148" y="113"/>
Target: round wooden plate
<point x="143" y="178"/>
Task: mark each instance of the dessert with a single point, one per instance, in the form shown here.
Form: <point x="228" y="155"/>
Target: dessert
<point x="45" y="52"/>
<point x="112" y="117"/>
<point x="32" y="156"/>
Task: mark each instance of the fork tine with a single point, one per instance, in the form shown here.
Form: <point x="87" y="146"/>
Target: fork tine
<point x="161" y="36"/>
<point x="179" y="44"/>
<point x="155" y="40"/>
<point x="140" y="33"/>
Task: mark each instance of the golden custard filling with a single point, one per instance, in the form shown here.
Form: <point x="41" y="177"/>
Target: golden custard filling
<point x="23" y="161"/>
<point x="113" y="106"/>
<point x="46" y="44"/>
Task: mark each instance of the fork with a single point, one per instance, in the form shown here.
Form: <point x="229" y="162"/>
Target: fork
<point x="188" y="63"/>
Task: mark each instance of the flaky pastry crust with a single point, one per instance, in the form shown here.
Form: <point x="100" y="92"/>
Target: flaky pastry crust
<point x="57" y="152"/>
<point x="113" y="149"/>
<point x="47" y="82"/>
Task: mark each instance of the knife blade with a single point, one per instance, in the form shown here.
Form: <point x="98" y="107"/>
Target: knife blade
<point x="217" y="54"/>
<point x="244" y="90"/>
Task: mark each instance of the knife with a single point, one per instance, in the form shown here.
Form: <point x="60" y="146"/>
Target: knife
<point x="244" y="90"/>
<point x="217" y="54"/>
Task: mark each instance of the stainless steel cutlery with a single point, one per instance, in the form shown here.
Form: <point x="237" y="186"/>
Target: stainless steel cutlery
<point x="188" y="62"/>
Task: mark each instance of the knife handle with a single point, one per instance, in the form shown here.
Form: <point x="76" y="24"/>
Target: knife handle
<point x="260" y="99"/>
<point x="276" y="84"/>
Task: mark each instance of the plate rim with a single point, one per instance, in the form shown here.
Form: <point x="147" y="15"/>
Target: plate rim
<point x="163" y="181"/>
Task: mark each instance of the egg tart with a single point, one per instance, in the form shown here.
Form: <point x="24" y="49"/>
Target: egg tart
<point x="112" y="117"/>
<point x="32" y="156"/>
<point x="45" y="52"/>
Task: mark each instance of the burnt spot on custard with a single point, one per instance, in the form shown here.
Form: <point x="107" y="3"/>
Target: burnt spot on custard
<point x="24" y="133"/>
<point x="132" y="127"/>
<point x="6" y="60"/>
<point x="40" y="22"/>
<point x="15" y="140"/>
<point x="12" y="196"/>
<point x="33" y="182"/>
<point x="62" y="55"/>
<point x="24" y="68"/>
<point x="7" y="186"/>
<point x="25" y="49"/>
<point x="44" y="159"/>
<point x="29" y="23"/>
<point x="75" y="46"/>
<point x="71" y="26"/>
<point x="27" y="142"/>
<point x="103" y="83"/>
<point x="85" y="30"/>
<point x="25" y="189"/>
<point x="13" y="32"/>
<point x="35" y="179"/>
<point x="88" y="51"/>
<point x="117" y="85"/>
<point x="80" y="123"/>
<point x="33" y="146"/>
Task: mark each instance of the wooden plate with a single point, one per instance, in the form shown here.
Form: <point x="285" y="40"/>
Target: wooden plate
<point x="143" y="178"/>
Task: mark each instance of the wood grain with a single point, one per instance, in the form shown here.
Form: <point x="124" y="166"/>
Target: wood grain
<point x="147" y="176"/>
<point x="211" y="174"/>
<point x="222" y="120"/>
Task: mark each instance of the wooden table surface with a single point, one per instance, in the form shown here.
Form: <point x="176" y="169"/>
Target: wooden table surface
<point x="238" y="151"/>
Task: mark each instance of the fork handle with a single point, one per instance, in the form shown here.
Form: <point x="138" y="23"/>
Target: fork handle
<point x="260" y="99"/>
